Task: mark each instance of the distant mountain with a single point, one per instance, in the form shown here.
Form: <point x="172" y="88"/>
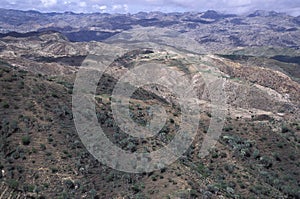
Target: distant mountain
<point x="297" y="20"/>
<point x="211" y="14"/>
<point x="214" y="30"/>
<point x="263" y="13"/>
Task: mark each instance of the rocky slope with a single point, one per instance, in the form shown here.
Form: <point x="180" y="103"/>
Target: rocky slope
<point x="42" y="156"/>
<point x="256" y="156"/>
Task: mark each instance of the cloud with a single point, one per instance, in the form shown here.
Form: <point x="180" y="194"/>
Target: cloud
<point x="97" y="8"/>
<point x="49" y="3"/>
<point x="82" y="4"/>
<point x="120" y="8"/>
<point x="104" y="7"/>
<point x="126" y="8"/>
<point x="116" y="7"/>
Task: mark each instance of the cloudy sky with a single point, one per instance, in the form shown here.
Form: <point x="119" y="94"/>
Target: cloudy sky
<point x="124" y="6"/>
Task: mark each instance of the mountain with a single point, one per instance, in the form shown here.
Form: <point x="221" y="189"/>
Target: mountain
<point x="254" y="60"/>
<point x="263" y="13"/>
<point x="214" y="30"/>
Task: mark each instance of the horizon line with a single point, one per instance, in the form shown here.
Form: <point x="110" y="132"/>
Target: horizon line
<point x="154" y="11"/>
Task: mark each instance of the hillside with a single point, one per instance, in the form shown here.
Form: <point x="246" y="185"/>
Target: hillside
<point x="257" y="120"/>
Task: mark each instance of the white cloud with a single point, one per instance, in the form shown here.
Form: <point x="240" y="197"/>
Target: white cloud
<point x="120" y="8"/>
<point x="49" y="3"/>
<point x="116" y="7"/>
<point x="82" y="4"/>
<point x="102" y="8"/>
<point x="126" y="8"/>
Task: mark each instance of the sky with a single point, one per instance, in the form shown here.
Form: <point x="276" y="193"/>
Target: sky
<point x="291" y="7"/>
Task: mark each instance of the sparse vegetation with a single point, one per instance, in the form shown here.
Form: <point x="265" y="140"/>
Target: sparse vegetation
<point x="26" y="140"/>
<point x="5" y="105"/>
<point x="14" y="184"/>
<point x="256" y="156"/>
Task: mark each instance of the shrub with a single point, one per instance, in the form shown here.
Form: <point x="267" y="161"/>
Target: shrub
<point x="54" y="95"/>
<point x="292" y="157"/>
<point x="69" y="184"/>
<point x="54" y="169"/>
<point x="229" y="167"/>
<point x="292" y="192"/>
<point x="136" y="188"/>
<point x="43" y="147"/>
<point x="13" y="183"/>
<point x="223" y="155"/>
<point x="284" y="129"/>
<point x="266" y="162"/>
<point x="26" y="140"/>
<point x="5" y="105"/>
<point x="21" y="85"/>
<point x="202" y="170"/>
<point x="276" y="157"/>
<point x="256" y="153"/>
<point x="50" y="139"/>
<point x="154" y="177"/>
<point x="33" y="150"/>
<point x="215" y="155"/>
<point x="28" y="188"/>
<point x="228" y="128"/>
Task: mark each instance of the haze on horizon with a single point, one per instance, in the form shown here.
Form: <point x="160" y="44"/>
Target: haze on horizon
<point x="291" y="7"/>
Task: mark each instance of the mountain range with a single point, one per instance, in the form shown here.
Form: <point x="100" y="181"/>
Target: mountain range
<point x="216" y="30"/>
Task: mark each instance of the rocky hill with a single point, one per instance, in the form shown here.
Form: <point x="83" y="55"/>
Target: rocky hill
<point x="254" y="58"/>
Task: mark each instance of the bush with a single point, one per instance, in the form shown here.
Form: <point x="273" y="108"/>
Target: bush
<point x="69" y="184"/>
<point x="5" y="105"/>
<point x="28" y="188"/>
<point x="227" y="128"/>
<point x="266" y="162"/>
<point x="284" y="129"/>
<point x="43" y="147"/>
<point x="229" y="167"/>
<point x="292" y="192"/>
<point x="54" y="169"/>
<point x="136" y="188"/>
<point x="202" y="170"/>
<point x="13" y="184"/>
<point x="292" y="157"/>
<point x="26" y="140"/>
<point x="256" y="153"/>
<point x="55" y="95"/>
<point x="50" y="139"/>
